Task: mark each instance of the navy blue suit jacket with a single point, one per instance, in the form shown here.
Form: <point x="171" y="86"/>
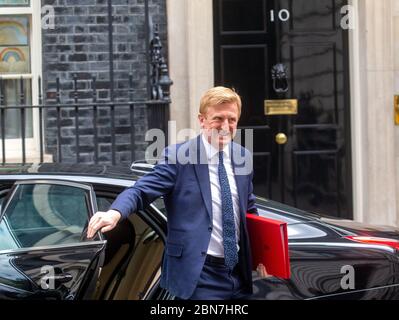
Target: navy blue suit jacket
<point x="185" y="186"/>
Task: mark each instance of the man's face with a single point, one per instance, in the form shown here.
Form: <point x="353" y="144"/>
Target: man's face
<point x="219" y="124"/>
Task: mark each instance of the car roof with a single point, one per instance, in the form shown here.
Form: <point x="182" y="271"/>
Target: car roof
<point x="122" y="176"/>
<point x="96" y="170"/>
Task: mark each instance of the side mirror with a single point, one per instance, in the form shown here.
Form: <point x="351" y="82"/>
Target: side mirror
<point x="141" y="167"/>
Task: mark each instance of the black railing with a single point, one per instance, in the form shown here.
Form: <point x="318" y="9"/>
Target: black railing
<point x="65" y="127"/>
<point x="86" y="130"/>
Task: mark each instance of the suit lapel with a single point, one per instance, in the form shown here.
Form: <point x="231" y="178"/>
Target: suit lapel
<point x="241" y="180"/>
<point x="200" y="163"/>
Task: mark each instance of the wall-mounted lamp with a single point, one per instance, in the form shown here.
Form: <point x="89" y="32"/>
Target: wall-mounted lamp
<point x="396" y="106"/>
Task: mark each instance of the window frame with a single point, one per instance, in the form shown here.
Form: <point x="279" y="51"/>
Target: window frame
<point x="91" y="211"/>
<point x="15" y="5"/>
<point x="32" y="145"/>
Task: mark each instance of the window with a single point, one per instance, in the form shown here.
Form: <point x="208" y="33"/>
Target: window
<point x="104" y="203"/>
<point x="44" y="214"/>
<point x="14" y="3"/>
<point x="20" y="68"/>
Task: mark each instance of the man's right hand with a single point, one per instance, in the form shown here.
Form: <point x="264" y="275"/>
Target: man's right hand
<point x="105" y="221"/>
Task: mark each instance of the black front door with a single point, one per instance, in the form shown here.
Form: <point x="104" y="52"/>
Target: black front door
<point x="312" y="168"/>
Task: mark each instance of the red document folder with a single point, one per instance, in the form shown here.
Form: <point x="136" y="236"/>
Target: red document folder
<point x="269" y="245"/>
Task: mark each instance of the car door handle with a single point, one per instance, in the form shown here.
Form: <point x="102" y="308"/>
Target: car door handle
<point x="61" y="278"/>
<point x="52" y="282"/>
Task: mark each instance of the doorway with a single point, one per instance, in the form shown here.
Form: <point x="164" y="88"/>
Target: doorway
<point x="304" y="158"/>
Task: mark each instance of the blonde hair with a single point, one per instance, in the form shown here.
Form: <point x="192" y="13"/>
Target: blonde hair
<point x="217" y="96"/>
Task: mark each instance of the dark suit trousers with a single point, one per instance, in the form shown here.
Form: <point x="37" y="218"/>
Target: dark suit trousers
<point x="217" y="282"/>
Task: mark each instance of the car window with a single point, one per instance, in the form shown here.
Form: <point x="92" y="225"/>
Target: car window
<point x="103" y="203"/>
<point x="160" y="205"/>
<point x="4" y="190"/>
<point x="42" y="215"/>
<point x="2" y="197"/>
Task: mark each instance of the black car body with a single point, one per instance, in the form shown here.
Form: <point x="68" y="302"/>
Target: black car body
<point x="44" y="253"/>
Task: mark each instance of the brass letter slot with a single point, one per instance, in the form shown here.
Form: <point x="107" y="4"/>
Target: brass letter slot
<point x="281" y="107"/>
<point x="397" y="110"/>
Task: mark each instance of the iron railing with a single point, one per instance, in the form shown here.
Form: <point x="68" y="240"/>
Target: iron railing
<point x="112" y="127"/>
<point x="63" y="130"/>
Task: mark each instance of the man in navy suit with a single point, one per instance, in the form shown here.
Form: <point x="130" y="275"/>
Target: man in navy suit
<point x="207" y="187"/>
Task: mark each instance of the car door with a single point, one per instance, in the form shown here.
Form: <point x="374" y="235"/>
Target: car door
<point x="44" y="252"/>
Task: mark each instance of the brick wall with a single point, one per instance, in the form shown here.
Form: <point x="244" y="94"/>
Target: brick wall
<point x="79" y="44"/>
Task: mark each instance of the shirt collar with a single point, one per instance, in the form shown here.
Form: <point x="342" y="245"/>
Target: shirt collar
<point x="211" y="151"/>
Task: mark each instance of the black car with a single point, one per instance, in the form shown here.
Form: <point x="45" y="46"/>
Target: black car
<point x="44" y="252"/>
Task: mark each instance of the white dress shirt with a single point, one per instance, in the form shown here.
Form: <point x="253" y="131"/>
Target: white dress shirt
<point x="216" y="244"/>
